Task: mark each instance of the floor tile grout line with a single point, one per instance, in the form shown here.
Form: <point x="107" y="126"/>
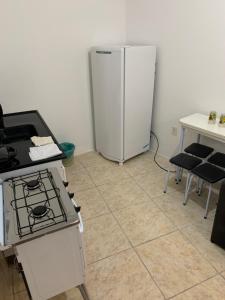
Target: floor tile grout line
<point x="96" y="217"/>
<point x="177" y="229"/>
<point x="221" y="275"/>
<point x="113" y="214"/>
<point x="178" y="226"/>
<point x="110" y="213"/>
<point x="199" y="252"/>
<point x="132" y="177"/>
<point x="138" y="255"/>
<point x="85" y="189"/>
<point x="156" y="204"/>
<point x="151" y="276"/>
<point x="156" y="238"/>
<point x="147" y="195"/>
<point x="131" y="245"/>
<point x="180" y="230"/>
<point x="102" y="198"/>
<point x="96" y="185"/>
<point x="116" y="210"/>
<point x="135" y="250"/>
<point x="195" y="285"/>
<point x="108" y="256"/>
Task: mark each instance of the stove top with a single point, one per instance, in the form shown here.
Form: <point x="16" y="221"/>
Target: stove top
<point x="36" y="204"/>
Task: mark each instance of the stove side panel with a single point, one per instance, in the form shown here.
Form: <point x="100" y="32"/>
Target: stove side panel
<point x="52" y="263"/>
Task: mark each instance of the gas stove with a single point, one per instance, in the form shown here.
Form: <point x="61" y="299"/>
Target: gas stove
<point x="35" y="204"/>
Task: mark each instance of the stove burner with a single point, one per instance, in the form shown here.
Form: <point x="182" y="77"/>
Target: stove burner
<point x="39" y="211"/>
<point x="33" y="184"/>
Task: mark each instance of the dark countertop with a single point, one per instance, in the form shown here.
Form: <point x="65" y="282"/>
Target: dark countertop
<point x="22" y="147"/>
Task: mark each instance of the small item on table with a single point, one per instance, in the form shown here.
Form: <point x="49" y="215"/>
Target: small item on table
<point x="222" y="120"/>
<point x="41" y="140"/>
<point x="212" y="117"/>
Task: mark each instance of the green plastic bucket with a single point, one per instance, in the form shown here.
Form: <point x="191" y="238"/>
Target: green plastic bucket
<point x="68" y="149"/>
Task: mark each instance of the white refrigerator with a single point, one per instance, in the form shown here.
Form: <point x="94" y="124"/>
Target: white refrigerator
<point x="123" y="85"/>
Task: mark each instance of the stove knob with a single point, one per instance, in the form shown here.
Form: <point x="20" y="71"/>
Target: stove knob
<point x="71" y="195"/>
<point x="77" y="209"/>
<point x="66" y="183"/>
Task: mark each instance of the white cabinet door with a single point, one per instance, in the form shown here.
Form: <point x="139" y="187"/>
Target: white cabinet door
<point x="52" y="263"/>
<point x="139" y="87"/>
<point x="107" y="80"/>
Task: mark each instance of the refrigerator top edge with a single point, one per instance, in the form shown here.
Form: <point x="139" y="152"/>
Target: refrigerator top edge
<point x="118" y="47"/>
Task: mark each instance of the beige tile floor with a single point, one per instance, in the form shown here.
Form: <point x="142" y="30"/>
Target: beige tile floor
<point x="139" y="242"/>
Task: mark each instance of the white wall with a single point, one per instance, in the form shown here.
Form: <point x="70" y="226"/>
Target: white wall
<point x="190" y="36"/>
<point x="44" y="59"/>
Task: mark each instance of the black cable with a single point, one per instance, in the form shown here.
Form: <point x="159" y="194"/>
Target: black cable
<point x="156" y="152"/>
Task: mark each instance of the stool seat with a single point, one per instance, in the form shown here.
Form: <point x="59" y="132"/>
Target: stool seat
<point x="218" y="159"/>
<point x="185" y="161"/>
<point x="199" y="150"/>
<point x="209" y="173"/>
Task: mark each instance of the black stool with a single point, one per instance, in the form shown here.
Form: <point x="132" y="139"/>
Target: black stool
<point x="199" y="150"/>
<point x="208" y="173"/>
<point x="218" y="159"/>
<point x="183" y="161"/>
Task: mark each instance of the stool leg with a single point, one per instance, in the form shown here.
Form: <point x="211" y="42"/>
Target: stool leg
<point x="201" y="186"/>
<point x="188" y="185"/>
<point x="207" y="203"/>
<point x="177" y="175"/>
<point x="166" y="180"/>
<point x="198" y="186"/>
<point x="181" y="174"/>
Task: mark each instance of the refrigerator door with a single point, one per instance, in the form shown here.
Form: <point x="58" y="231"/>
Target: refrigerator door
<point x="139" y="87"/>
<point x="108" y="82"/>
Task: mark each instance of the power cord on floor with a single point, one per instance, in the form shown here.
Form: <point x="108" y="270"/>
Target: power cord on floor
<point x="156" y="152"/>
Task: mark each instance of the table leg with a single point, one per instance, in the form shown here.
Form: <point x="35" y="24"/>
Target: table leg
<point x="181" y="142"/>
<point x="180" y="149"/>
<point x="198" y="138"/>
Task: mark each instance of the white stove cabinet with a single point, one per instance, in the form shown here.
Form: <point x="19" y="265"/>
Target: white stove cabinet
<point x="52" y="263"/>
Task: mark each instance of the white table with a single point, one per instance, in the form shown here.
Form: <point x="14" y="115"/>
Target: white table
<point x="199" y="123"/>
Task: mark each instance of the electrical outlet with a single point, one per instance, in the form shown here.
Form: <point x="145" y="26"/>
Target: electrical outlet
<point x="174" y="131"/>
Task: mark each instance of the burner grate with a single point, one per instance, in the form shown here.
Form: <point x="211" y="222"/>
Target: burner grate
<point x="30" y="192"/>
